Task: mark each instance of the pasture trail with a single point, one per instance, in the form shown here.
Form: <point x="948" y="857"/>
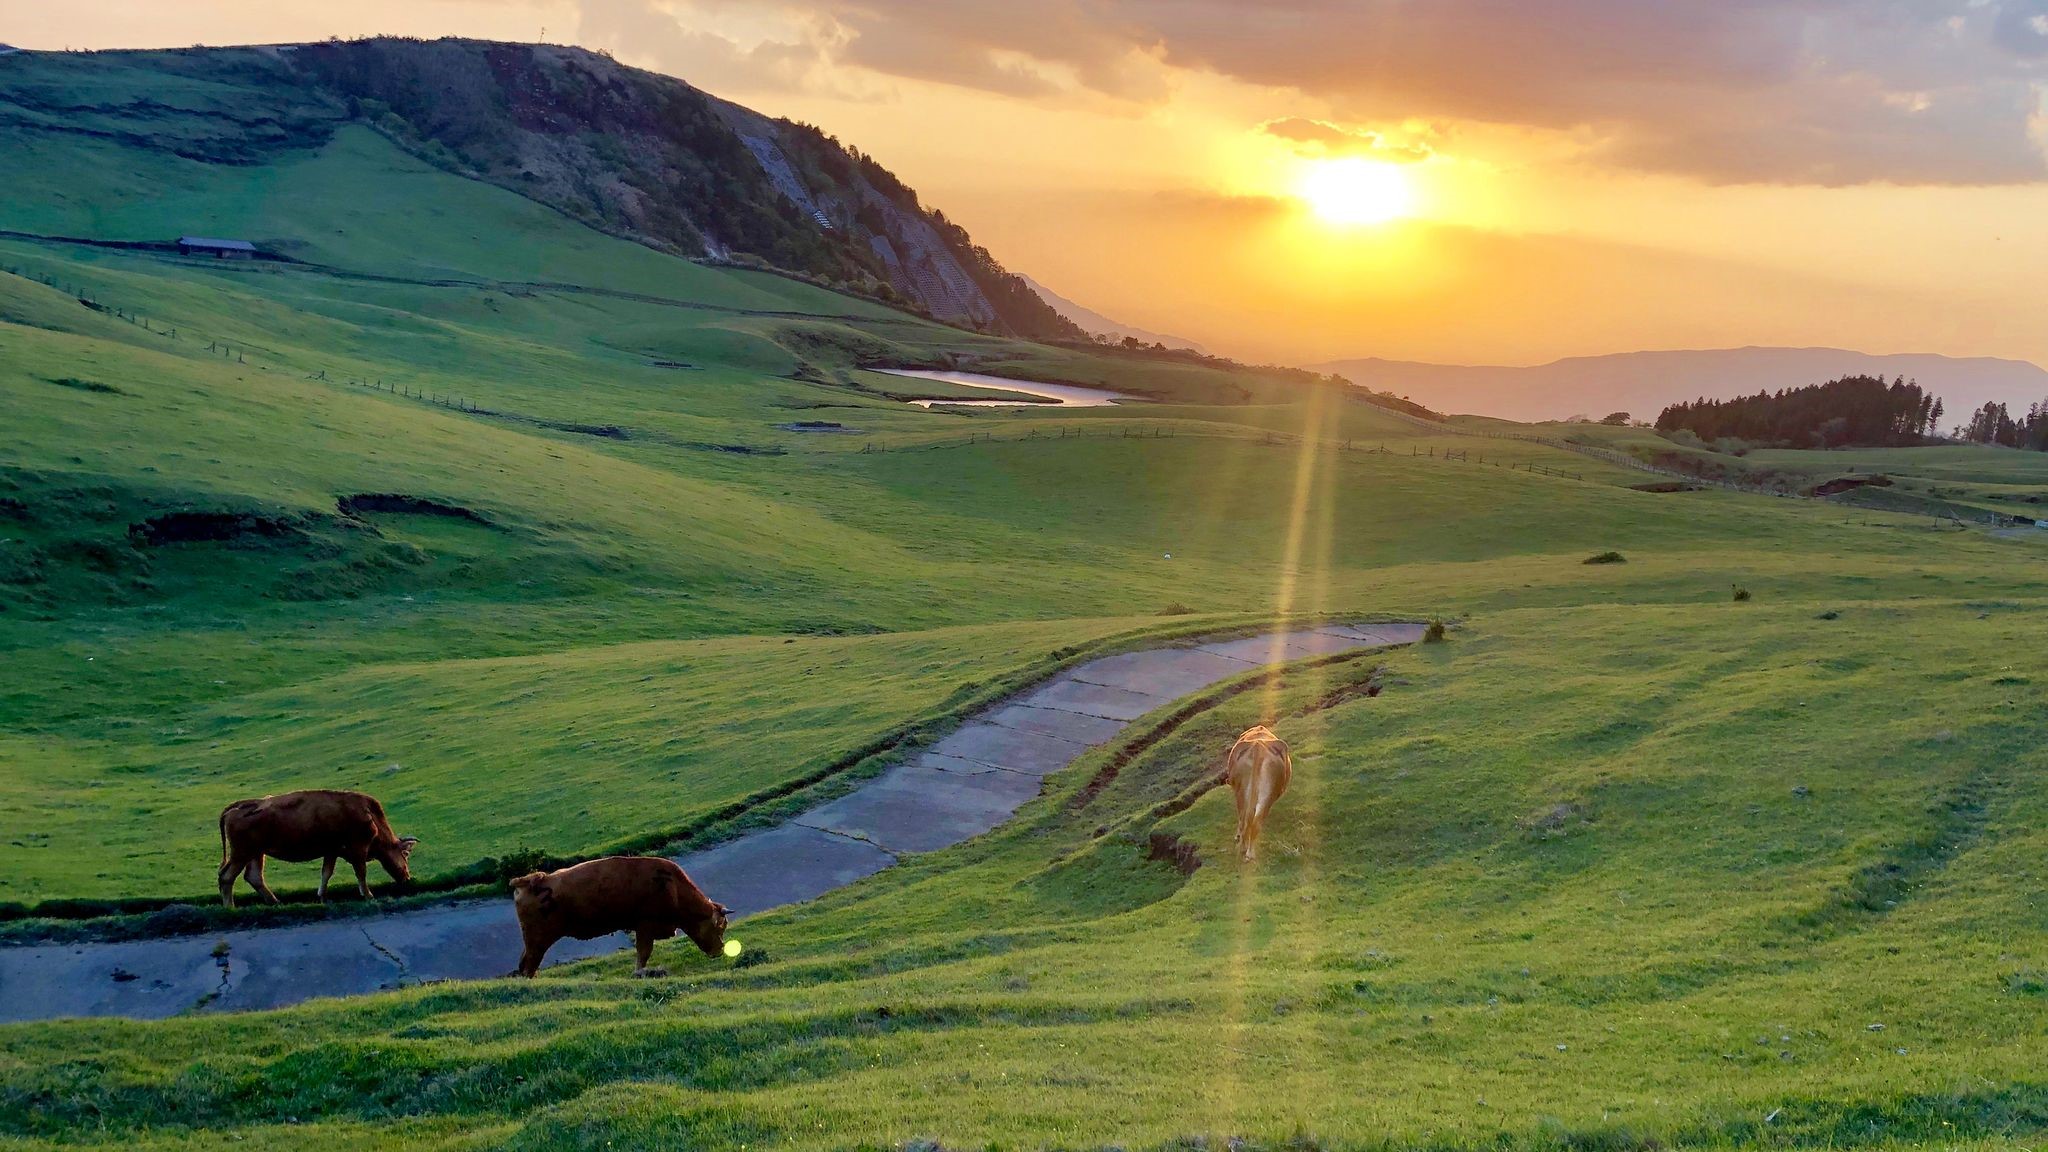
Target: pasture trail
<point x="960" y="787"/>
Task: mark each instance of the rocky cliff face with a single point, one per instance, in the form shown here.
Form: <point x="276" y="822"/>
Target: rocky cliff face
<point x="650" y="157"/>
<point x="634" y="153"/>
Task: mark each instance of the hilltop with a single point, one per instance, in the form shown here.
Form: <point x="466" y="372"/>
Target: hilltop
<point x="1643" y="383"/>
<point x="633" y="153"/>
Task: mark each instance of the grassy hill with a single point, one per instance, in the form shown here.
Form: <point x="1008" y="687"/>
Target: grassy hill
<point x="158" y="141"/>
<point x="531" y="530"/>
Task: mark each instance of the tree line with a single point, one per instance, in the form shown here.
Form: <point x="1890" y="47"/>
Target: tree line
<point x="1992" y="424"/>
<point x="1850" y="412"/>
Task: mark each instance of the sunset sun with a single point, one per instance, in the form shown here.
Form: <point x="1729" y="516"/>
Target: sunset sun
<point x="1355" y="191"/>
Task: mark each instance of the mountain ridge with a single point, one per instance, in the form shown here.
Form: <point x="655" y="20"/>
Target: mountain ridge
<point x="637" y="154"/>
<point x="1098" y="324"/>
<point x="1643" y="382"/>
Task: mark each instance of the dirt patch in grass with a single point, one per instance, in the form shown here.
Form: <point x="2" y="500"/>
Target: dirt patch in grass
<point x="205" y="527"/>
<point x="76" y="384"/>
<point x="734" y="449"/>
<point x="603" y="431"/>
<point x="363" y="503"/>
<point x="1665" y="486"/>
<point x="1170" y="848"/>
<point x="1842" y="484"/>
<point x="816" y="426"/>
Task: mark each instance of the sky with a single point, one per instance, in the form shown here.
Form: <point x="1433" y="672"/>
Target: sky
<point x="1464" y="181"/>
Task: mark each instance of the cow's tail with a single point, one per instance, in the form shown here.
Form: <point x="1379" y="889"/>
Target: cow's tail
<point x="224" y="836"/>
<point x="1269" y="782"/>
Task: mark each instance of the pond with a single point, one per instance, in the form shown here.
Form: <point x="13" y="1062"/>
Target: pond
<point x="1059" y="395"/>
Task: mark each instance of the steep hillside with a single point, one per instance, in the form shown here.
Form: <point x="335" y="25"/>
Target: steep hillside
<point x="1642" y="383"/>
<point x="632" y="153"/>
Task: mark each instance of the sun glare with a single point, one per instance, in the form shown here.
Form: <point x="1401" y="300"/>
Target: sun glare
<point x="1357" y="191"/>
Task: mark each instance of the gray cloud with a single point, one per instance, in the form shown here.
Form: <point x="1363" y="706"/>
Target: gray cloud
<point x="1793" y="91"/>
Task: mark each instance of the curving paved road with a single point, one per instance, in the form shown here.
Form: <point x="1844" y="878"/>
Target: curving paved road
<point x="961" y="787"/>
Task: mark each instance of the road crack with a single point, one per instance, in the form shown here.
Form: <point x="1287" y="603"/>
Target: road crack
<point x="397" y="961"/>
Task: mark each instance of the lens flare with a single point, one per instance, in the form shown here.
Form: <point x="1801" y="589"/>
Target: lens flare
<point x="732" y="947"/>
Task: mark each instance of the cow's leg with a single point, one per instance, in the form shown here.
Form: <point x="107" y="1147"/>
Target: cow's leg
<point x="326" y="874"/>
<point x="643" y="951"/>
<point x="1254" y="823"/>
<point x="229" y="870"/>
<point x="362" y="876"/>
<point x="255" y="875"/>
<point x="536" y="949"/>
<point x="1240" y="798"/>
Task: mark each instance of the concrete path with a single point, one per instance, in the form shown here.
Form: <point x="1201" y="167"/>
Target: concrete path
<point x="962" y="786"/>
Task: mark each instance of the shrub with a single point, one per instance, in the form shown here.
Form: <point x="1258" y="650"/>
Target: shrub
<point x="1434" y="634"/>
<point x="1606" y="558"/>
<point x="1176" y="608"/>
<point x="175" y="920"/>
<point x="1740" y="593"/>
<point x="521" y="861"/>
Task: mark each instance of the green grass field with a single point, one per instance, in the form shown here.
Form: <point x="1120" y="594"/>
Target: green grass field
<point x="1626" y="863"/>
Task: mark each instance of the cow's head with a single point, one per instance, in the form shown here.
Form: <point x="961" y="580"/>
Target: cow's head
<point x="709" y="931"/>
<point x="396" y="857"/>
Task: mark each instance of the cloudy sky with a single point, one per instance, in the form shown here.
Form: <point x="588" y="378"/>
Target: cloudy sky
<point x="1455" y="180"/>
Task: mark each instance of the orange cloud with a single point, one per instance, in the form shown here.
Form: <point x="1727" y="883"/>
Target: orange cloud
<point x="1330" y="139"/>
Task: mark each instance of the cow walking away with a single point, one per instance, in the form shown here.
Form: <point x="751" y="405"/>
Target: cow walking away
<point x="1259" y="767"/>
<point x="646" y="895"/>
<point x="314" y="825"/>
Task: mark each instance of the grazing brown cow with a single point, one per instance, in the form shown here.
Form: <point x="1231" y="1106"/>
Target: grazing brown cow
<point x="646" y="895"/>
<point x="314" y="825"/>
<point x="1259" y="767"/>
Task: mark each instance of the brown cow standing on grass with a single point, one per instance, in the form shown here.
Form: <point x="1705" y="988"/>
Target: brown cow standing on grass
<point x="1258" y="768"/>
<point x="314" y="825"/>
<point x="648" y="896"/>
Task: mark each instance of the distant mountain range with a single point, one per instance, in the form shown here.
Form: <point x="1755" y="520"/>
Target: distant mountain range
<point x="1096" y="324"/>
<point x="1642" y="383"/>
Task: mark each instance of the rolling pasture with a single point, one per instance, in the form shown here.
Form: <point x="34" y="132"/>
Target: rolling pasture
<point x="1626" y="862"/>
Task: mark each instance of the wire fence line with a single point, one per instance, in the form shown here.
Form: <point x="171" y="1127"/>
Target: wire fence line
<point x="91" y="299"/>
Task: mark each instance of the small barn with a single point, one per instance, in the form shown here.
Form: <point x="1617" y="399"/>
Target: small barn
<point x="219" y="249"/>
